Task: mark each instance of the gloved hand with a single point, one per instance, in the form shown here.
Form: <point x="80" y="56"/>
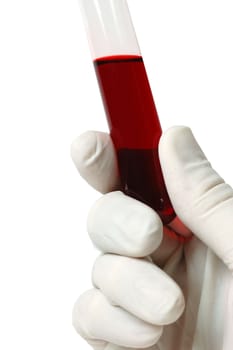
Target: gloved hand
<point x="146" y="273"/>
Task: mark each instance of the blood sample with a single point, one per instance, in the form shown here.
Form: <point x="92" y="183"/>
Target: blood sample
<point x="130" y="109"/>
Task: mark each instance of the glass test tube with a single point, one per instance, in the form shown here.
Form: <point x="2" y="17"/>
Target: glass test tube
<point x="131" y="113"/>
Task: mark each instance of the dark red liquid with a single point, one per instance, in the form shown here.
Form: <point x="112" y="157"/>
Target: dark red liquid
<point x="135" y="130"/>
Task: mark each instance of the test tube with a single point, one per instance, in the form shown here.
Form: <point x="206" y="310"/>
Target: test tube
<point x="130" y="109"/>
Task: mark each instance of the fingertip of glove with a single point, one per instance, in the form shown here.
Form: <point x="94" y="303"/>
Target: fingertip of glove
<point x="84" y="149"/>
<point x="172" y="137"/>
<point x="94" y="157"/>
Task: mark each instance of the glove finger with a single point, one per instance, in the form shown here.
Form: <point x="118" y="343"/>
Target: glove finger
<point x="140" y="287"/>
<point x="94" y="318"/>
<point x="94" y="156"/>
<point x="201" y="198"/>
<point x="122" y="225"/>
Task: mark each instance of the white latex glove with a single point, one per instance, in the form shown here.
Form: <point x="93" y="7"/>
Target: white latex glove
<point x="144" y="276"/>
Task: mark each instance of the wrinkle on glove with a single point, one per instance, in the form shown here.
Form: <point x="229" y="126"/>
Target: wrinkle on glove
<point x="201" y="198"/>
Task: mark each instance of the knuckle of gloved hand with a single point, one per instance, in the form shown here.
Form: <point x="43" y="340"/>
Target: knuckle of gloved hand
<point x="119" y="224"/>
<point x="163" y="304"/>
<point x="83" y="314"/>
<point x="83" y="150"/>
<point x="204" y="187"/>
<point x="171" y="307"/>
<point x="210" y="190"/>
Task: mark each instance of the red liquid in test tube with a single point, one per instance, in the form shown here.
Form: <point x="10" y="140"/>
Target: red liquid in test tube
<point x="135" y="130"/>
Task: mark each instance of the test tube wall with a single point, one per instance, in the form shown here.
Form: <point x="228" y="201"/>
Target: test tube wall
<point x="130" y="109"/>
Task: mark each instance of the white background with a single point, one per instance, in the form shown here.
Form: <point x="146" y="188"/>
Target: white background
<point x="49" y="95"/>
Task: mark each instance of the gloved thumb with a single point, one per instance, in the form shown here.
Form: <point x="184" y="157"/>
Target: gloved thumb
<point x="201" y="198"/>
